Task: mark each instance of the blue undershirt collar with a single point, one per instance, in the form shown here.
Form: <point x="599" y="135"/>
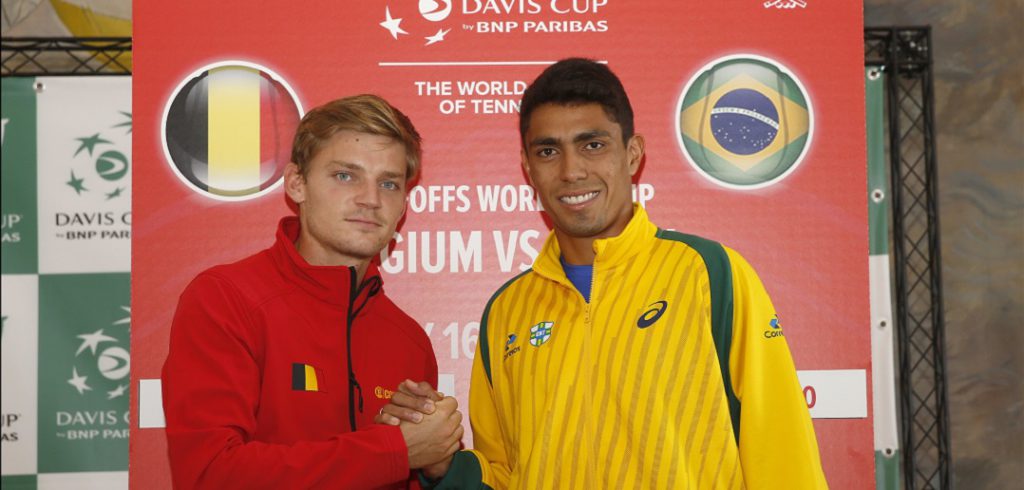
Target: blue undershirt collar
<point x="580" y="276"/>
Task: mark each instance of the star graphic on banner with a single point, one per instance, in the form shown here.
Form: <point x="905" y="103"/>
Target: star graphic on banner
<point x="126" y="320"/>
<point x="114" y="193"/>
<point x="78" y="381"/>
<point x="392" y="24"/>
<point x="92" y="340"/>
<point x="117" y="392"/>
<point x="89" y="142"/>
<point x="127" y="123"/>
<point x="77" y="184"/>
<point x="436" y="38"/>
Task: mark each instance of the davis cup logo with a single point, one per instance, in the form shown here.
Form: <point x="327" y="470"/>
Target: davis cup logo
<point x="96" y="357"/>
<point x="430" y="10"/>
<point x="744" y="122"/>
<point x="434" y="10"/>
<point x="103" y="176"/>
<point x="227" y="130"/>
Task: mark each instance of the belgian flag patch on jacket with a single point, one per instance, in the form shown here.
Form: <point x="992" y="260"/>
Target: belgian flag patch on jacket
<point x="306" y="377"/>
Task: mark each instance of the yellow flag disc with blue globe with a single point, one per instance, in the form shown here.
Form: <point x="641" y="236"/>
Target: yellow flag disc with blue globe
<point x="745" y="122"/>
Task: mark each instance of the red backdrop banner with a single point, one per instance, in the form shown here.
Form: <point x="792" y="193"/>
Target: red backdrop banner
<point x="786" y="189"/>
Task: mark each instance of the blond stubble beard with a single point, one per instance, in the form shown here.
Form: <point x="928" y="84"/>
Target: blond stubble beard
<point x="342" y="245"/>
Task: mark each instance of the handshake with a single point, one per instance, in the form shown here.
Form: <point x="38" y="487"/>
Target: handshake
<point x="431" y="425"/>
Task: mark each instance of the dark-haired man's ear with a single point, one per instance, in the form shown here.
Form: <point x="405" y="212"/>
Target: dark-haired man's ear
<point x="635" y="148"/>
<point x="525" y="162"/>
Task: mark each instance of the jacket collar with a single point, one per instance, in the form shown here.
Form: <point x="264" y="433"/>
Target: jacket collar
<point x="333" y="284"/>
<point x="611" y="252"/>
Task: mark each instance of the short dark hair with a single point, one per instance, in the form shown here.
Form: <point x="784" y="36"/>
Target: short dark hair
<point x="575" y="81"/>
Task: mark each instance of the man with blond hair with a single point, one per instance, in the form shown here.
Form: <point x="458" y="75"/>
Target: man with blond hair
<point x="275" y="360"/>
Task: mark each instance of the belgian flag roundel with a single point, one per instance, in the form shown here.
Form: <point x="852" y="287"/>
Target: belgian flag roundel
<point x="744" y="122"/>
<point x="228" y="129"/>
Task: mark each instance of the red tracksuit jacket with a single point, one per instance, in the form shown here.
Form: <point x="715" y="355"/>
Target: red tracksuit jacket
<point x="256" y="386"/>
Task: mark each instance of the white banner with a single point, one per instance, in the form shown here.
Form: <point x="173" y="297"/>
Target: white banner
<point x="84" y="177"/>
<point x="835" y="393"/>
<point x="18" y="382"/>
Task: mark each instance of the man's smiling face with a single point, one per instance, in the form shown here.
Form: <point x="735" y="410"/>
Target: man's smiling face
<point x="581" y="169"/>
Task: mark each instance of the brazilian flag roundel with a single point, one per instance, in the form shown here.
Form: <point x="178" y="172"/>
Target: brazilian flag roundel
<point x="745" y="122"/>
<point x="227" y="130"/>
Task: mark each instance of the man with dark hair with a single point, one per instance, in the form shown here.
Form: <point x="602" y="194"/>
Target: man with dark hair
<point x="575" y="81"/>
<point x="270" y="356"/>
<point x="628" y="356"/>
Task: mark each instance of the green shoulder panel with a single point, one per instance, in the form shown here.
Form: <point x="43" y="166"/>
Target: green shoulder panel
<point x="720" y="276"/>
<point x="485" y="349"/>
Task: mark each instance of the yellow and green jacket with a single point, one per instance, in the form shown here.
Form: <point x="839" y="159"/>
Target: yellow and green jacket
<point x="676" y="374"/>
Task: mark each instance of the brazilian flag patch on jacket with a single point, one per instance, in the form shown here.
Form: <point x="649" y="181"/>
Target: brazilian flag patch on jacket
<point x="306" y="377"/>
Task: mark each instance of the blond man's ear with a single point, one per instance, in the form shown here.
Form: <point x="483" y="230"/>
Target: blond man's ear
<point x="294" y="183"/>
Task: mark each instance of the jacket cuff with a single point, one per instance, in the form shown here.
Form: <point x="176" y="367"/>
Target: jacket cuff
<point x="463" y="473"/>
<point x="397" y="452"/>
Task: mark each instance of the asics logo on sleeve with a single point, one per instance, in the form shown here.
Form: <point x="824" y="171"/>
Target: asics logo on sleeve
<point x="654" y="312"/>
